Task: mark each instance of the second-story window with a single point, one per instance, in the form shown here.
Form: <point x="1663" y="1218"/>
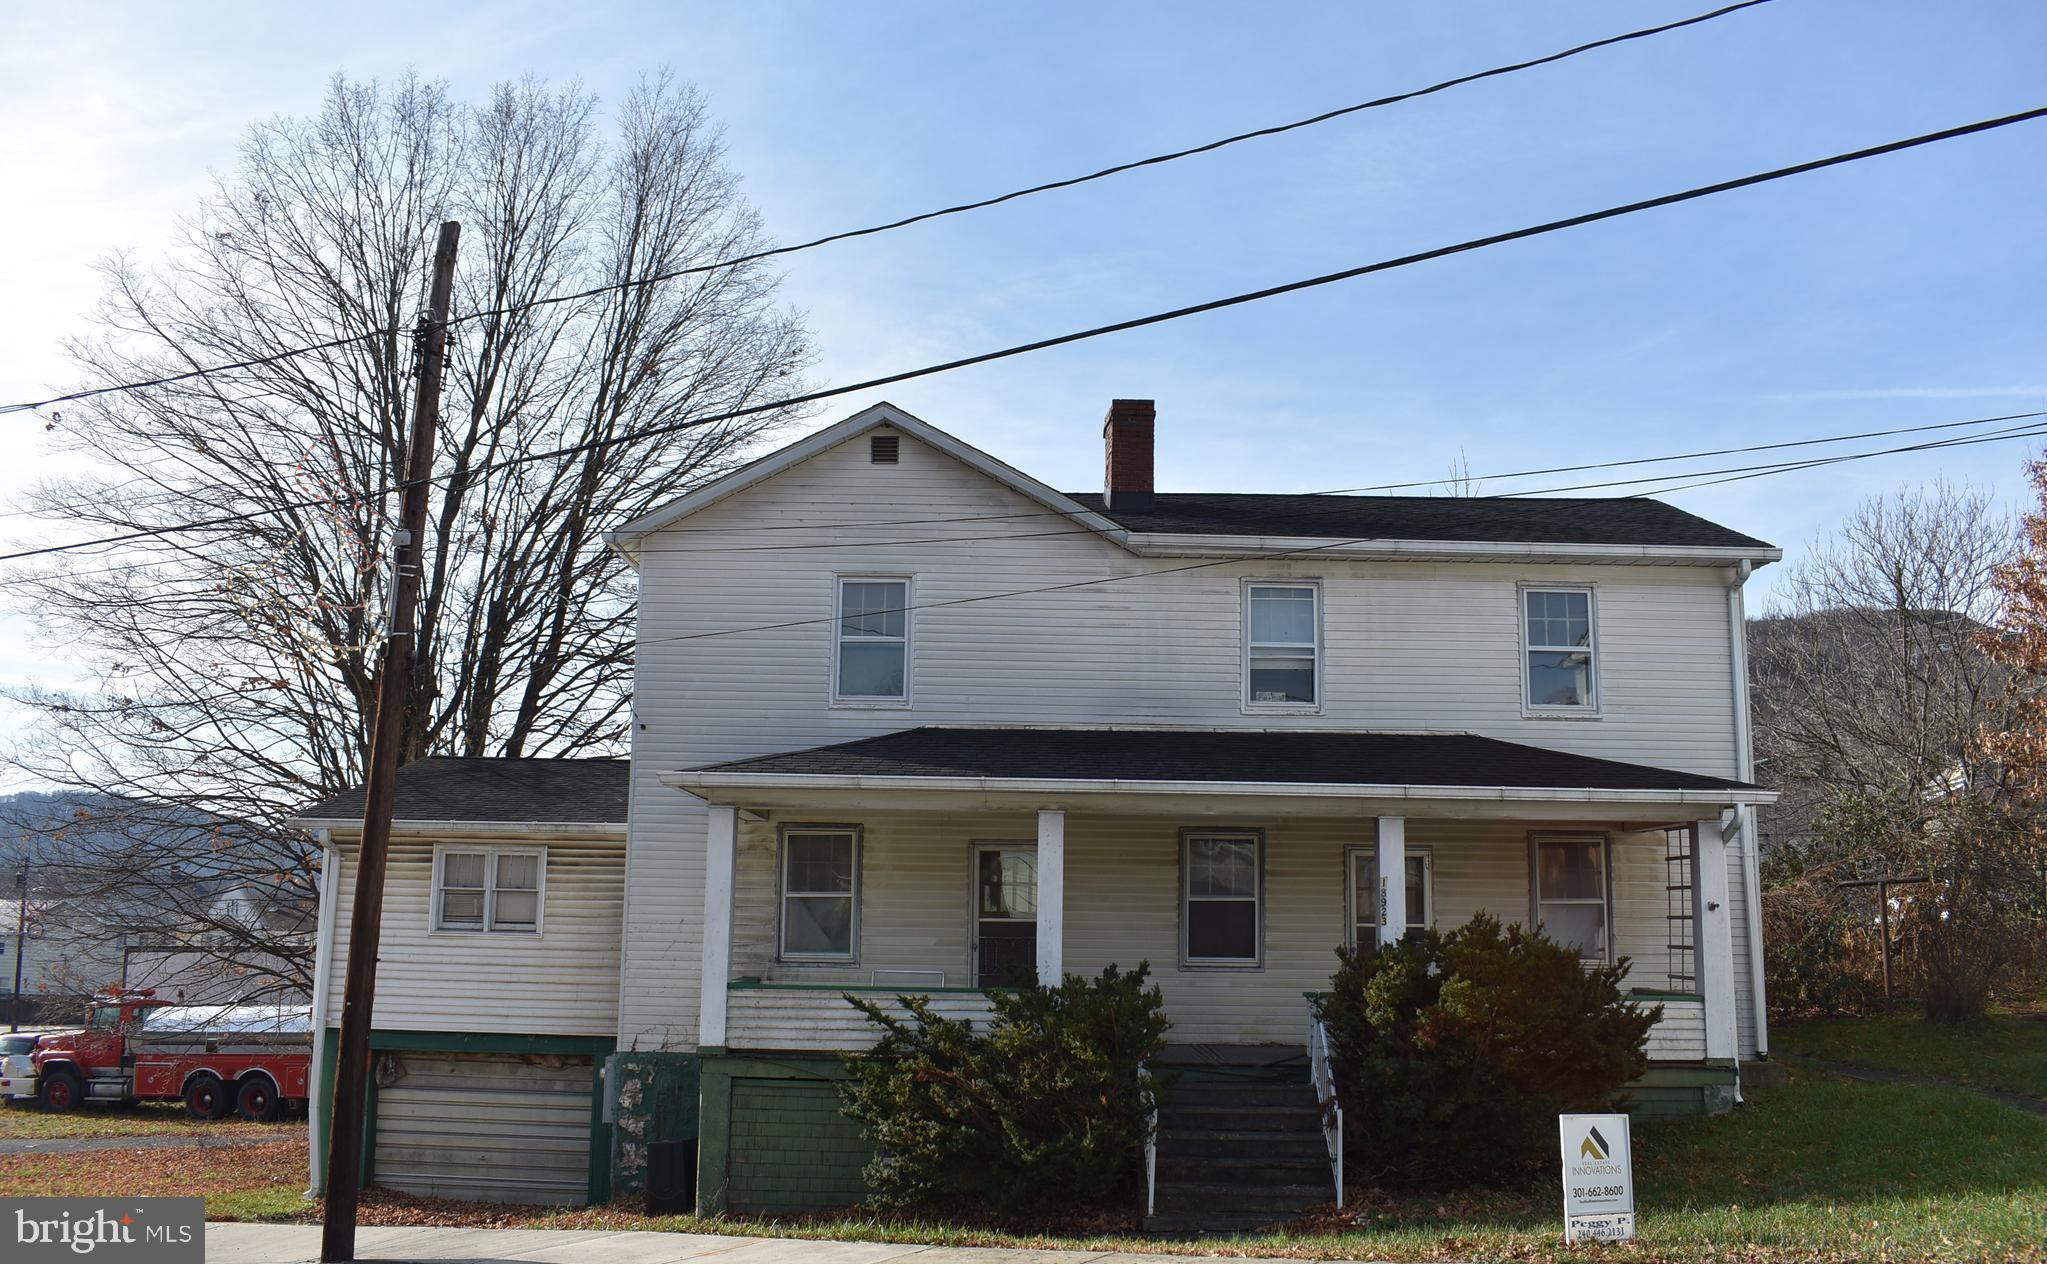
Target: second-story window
<point x="871" y="662"/>
<point x="1558" y="650"/>
<point x="1282" y="646"/>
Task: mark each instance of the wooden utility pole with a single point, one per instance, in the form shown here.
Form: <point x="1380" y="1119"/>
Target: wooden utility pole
<point x="394" y="687"/>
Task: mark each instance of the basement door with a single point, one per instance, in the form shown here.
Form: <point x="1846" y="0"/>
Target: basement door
<point x="1005" y="914"/>
<point x="507" y="1128"/>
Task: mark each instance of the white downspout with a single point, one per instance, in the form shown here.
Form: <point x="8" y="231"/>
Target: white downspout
<point x="323" y="968"/>
<point x="1751" y="840"/>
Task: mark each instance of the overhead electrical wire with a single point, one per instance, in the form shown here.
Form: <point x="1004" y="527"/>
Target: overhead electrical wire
<point x="1122" y="326"/>
<point x="907" y="221"/>
<point x="1534" y="498"/>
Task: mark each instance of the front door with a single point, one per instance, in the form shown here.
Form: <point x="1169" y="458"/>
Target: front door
<point x="1005" y="914"/>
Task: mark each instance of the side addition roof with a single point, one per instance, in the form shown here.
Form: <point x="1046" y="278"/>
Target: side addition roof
<point x="496" y="791"/>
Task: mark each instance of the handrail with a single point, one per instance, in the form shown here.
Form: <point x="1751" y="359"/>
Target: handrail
<point x="1151" y="1149"/>
<point x="1325" y="1098"/>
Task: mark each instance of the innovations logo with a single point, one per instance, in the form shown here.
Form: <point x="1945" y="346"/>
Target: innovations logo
<point x="1594" y="1146"/>
<point x="155" y="1230"/>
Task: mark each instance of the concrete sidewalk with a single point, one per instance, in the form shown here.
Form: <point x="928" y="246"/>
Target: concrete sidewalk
<point x="300" y="1244"/>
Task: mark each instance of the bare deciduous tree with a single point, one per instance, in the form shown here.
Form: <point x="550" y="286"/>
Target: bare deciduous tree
<point x="232" y="666"/>
<point x="1866" y="674"/>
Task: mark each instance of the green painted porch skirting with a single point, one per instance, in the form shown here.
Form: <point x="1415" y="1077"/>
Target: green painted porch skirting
<point x="595" y="1047"/>
<point x="1673" y="1089"/>
<point x="771" y="1137"/>
<point x="772" y="1140"/>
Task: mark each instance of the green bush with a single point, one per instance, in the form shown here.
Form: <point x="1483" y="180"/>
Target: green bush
<point x="1046" y="1109"/>
<point x="1454" y="1052"/>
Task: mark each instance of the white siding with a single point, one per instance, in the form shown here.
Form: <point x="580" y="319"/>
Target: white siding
<point x="559" y="982"/>
<point x="1123" y="906"/>
<point x="1681" y="1034"/>
<point x="812" y="1020"/>
<point x="1408" y="646"/>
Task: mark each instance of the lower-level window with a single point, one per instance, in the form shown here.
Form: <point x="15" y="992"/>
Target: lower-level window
<point x="1570" y="888"/>
<point x="1364" y="895"/>
<point x="820" y="895"/>
<point x="489" y="888"/>
<point x="1220" y="892"/>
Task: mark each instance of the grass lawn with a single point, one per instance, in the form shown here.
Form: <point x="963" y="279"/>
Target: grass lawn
<point x="1820" y="1169"/>
<point x="240" y="1182"/>
<point x="29" y="1122"/>
<point x="2002" y="1051"/>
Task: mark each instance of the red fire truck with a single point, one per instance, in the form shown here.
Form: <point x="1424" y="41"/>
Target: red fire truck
<point x="135" y="1047"/>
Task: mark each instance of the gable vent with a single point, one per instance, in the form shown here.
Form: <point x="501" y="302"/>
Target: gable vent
<point x="884" y="449"/>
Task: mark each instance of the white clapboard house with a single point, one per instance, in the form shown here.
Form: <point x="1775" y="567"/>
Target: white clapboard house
<point x="908" y="720"/>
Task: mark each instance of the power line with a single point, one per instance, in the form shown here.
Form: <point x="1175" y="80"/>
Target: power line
<point x="921" y="217"/>
<point x="1124" y="326"/>
<point x="1532" y="497"/>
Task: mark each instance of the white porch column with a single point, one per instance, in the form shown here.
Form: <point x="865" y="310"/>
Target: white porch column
<point x="1715" y="938"/>
<point x="1392" y="853"/>
<point x="721" y="853"/>
<point x="1051" y="896"/>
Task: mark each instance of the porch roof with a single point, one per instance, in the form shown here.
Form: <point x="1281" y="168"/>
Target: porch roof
<point x="1164" y="761"/>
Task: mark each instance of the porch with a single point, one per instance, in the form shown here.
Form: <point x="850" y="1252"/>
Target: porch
<point x="945" y="877"/>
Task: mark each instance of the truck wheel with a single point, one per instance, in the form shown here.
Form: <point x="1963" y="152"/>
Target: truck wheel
<point x="257" y="1100"/>
<point x="205" y="1096"/>
<point x="61" y="1090"/>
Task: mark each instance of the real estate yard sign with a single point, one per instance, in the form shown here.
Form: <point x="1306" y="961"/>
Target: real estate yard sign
<point x="1599" y="1178"/>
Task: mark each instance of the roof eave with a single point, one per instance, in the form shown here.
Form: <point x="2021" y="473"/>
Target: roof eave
<point x="404" y="828"/>
<point x="696" y="781"/>
<point x="1191" y="544"/>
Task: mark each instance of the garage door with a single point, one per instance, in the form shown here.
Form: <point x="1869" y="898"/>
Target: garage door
<point x="498" y="1127"/>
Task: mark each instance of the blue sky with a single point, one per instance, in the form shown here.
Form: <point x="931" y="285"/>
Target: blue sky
<point x="1899" y="291"/>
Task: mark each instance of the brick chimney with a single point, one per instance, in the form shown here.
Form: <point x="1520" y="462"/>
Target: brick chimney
<point x="1126" y="453"/>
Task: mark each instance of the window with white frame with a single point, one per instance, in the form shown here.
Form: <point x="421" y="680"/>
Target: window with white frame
<point x="1570" y="892"/>
<point x="1364" y="894"/>
<point x="1220" y="893"/>
<point x="820" y="894"/>
<point x="1558" y="668"/>
<point x="489" y="888"/>
<point x="1282" y="646"/>
<point x="871" y="654"/>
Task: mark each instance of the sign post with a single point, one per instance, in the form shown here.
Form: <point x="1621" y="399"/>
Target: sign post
<point x="1599" y="1178"/>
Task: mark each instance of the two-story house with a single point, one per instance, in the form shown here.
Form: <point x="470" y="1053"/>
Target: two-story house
<point x="908" y="720"/>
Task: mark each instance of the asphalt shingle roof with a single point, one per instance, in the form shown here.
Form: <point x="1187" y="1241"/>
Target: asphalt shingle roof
<point x="1466" y="519"/>
<point x="1303" y="756"/>
<point x="555" y="791"/>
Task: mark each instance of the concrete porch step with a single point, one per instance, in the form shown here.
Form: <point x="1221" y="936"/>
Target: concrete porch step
<point x="1235" y="1117"/>
<point x="1243" y="1146"/>
<point x="1262" y="1174"/>
<point x="1277" y="1202"/>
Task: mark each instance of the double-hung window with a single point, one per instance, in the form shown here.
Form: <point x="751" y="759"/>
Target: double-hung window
<point x="1558" y="669"/>
<point x="489" y="888"/>
<point x="1570" y="892"/>
<point x="1220" y="892"/>
<point x="1364" y="895"/>
<point x="871" y="641"/>
<point x="820" y="894"/>
<point x="1282" y="646"/>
